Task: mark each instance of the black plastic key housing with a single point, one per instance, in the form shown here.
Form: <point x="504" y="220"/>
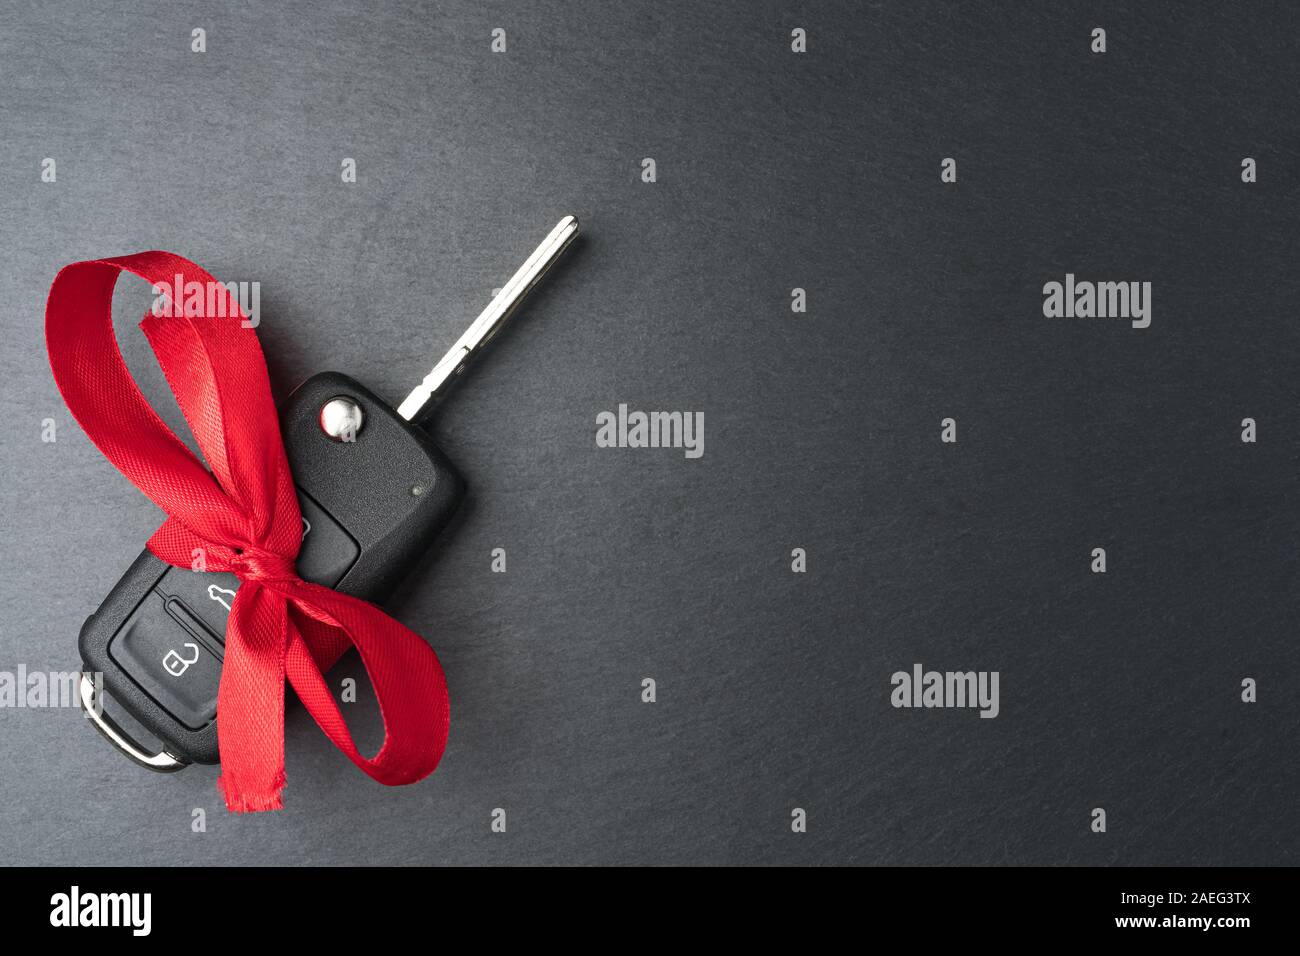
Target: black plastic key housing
<point x="373" y="504"/>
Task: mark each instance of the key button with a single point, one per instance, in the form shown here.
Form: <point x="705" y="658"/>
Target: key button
<point x="208" y="596"/>
<point x="171" y="664"/>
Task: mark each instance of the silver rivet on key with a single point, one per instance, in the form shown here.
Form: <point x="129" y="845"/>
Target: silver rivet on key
<point x="341" y="418"/>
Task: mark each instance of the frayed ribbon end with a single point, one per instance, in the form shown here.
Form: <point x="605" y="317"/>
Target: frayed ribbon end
<point x="239" y="800"/>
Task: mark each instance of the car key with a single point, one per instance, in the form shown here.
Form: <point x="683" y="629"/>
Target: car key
<point x="373" y="490"/>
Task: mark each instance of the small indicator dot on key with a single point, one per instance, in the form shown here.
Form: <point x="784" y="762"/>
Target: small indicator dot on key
<point x="341" y="418"/>
<point x="417" y="490"/>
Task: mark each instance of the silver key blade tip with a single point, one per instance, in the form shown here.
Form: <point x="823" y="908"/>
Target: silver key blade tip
<point x="490" y="319"/>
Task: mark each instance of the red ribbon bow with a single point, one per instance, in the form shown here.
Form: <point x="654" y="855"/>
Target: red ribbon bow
<point x="244" y="516"/>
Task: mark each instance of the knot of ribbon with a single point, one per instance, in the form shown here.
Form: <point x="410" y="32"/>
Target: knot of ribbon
<point x="254" y="564"/>
<point x="242" y="516"/>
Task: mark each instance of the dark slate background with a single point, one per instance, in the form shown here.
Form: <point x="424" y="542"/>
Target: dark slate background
<point x="822" y="430"/>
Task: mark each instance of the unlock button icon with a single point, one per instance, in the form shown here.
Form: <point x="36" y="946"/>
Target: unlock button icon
<point x="176" y="664"/>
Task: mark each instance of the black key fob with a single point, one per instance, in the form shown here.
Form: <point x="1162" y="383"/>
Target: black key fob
<point x="374" y="491"/>
<point x="371" y="505"/>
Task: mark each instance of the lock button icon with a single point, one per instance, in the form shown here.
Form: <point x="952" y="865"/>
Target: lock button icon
<point x="177" y="665"/>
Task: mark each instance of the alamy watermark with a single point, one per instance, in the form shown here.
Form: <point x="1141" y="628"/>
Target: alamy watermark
<point x="922" y="688"/>
<point x="213" y="300"/>
<point x="636" y="429"/>
<point x="37" y="690"/>
<point x="1073" y="299"/>
<point x="75" y="908"/>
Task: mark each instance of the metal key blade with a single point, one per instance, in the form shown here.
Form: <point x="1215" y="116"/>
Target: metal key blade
<point x="490" y="320"/>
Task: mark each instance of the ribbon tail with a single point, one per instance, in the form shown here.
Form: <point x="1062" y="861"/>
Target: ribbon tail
<point x="241" y="798"/>
<point x="250" y="701"/>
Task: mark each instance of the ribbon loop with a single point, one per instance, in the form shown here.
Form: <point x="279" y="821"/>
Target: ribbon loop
<point x="244" y="515"/>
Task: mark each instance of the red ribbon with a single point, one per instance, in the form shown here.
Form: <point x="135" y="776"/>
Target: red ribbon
<point x="244" y="515"/>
